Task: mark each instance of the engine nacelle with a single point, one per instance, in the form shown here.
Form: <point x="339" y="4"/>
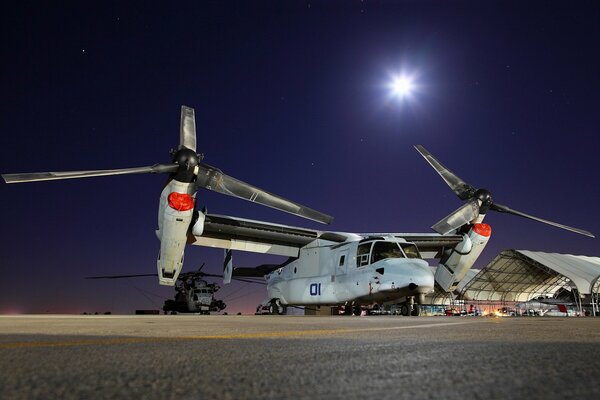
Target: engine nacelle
<point x="454" y="266"/>
<point x="174" y="218"/>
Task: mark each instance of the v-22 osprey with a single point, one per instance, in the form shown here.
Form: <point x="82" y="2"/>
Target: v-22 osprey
<point x="323" y="267"/>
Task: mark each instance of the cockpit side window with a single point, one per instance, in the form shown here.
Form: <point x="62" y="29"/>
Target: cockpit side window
<point x="410" y="250"/>
<point x="383" y="250"/>
<point x="362" y="254"/>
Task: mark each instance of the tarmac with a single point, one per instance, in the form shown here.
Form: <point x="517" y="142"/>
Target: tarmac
<point x="298" y="357"/>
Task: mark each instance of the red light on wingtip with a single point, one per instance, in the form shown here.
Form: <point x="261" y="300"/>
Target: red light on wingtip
<point x="482" y="229"/>
<point x="181" y="201"/>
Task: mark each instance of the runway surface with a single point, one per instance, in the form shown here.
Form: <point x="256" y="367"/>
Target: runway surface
<point x="275" y="357"/>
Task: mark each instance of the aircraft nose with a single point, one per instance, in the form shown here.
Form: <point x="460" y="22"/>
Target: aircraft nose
<point x="414" y="274"/>
<point x="421" y="277"/>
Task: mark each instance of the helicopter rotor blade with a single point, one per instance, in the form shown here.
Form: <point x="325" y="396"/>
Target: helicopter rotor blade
<point x="508" y="210"/>
<point x="463" y="215"/>
<point x="51" y="176"/>
<point x="462" y="189"/>
<point x="187" y="128"/>
<point x="214" y="179"/>
<point x="478" y="201"/>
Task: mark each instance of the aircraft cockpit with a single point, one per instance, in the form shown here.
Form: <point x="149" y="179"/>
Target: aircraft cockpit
<point x="372" y="251"/>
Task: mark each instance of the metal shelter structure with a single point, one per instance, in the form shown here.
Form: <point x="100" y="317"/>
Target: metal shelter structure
<point x="521" y="275"/>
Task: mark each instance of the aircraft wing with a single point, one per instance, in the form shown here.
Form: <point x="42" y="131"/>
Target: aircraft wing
<point x="258" y="236"/>
<point x="242" y="234"/>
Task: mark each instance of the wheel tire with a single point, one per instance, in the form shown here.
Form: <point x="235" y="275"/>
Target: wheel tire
<point x="416" y="311"/>
<point x="404" y="310"/>
<point x="356" y="310"/>
<point x="275" y="308"/>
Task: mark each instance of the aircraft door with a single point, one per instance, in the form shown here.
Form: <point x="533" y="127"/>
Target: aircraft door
<point x="342" y="262"/>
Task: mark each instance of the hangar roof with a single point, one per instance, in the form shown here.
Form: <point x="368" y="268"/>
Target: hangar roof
<point x="519" y="275"/>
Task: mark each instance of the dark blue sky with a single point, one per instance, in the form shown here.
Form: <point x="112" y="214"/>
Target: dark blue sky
<point x="291" y="97"/>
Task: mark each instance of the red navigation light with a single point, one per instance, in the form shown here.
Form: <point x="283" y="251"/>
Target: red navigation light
<point x="482" y="229"/>
<point x="181" y="201"/>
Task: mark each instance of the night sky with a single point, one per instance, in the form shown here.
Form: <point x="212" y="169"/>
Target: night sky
<point x="292" y="97"/>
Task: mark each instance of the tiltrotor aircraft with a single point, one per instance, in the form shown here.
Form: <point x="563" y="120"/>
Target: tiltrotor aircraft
<point x="324" y="267"/>
<point x="193" y="294"/>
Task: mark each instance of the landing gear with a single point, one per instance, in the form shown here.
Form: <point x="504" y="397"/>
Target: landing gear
<point x="275" y="307"/>
<point x="352" y="309"/>
<point x="348" y="309"/>
<point x="404" y="309"/>
<point x="409" y="307"/>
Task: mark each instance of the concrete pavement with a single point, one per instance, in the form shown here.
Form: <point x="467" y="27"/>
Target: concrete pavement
<point x="275" y="357"/>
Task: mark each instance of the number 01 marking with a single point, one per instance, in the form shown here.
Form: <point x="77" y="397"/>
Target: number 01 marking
<point x="315" y="289"/>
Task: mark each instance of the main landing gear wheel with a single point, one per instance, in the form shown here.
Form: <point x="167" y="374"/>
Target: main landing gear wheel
<point x="404" y="310"/>
<point x="416" y="311"/>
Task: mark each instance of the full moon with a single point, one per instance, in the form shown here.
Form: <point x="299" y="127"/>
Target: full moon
<point x="402" y="86"/>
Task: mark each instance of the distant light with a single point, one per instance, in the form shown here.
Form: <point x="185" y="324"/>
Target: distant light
<point x="402" y="86"/>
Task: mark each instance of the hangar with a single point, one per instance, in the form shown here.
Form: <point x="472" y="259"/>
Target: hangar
<point x="522" y="275"/>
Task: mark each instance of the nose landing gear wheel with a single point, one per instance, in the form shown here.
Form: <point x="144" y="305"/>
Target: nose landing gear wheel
<point x="275" y="308"/>
<point x="416" y="311"/>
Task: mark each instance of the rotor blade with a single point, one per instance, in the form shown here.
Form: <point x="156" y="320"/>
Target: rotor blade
<point x="187" y="128"/>
<point x="202" y="266"/>
<point x="119" y="276"/>
<point x="505" y="209"/>
<point x="462" y="189"/>
<point x="51" y="176"/>
<point x="463" y="215"/>
<point x="214" y="179"/>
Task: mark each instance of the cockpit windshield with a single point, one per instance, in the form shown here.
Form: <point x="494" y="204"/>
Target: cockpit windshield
<point x="383" y="250"/>
<point x="410" y="250"/>
<point x="371" y="252"/>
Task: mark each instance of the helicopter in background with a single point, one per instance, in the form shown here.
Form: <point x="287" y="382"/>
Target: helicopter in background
<point x="193" y="294"/>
